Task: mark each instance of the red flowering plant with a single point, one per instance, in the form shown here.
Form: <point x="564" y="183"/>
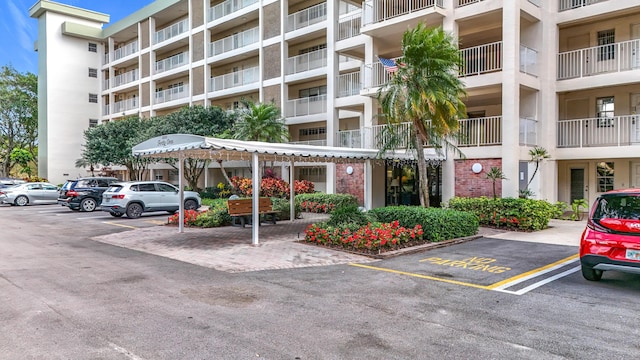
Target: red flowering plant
<point x="303" y="187"/>
<point x="317" y="207"/>
<point x="190" y="217"/>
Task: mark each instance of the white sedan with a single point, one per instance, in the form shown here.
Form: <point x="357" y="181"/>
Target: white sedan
<point x="29" y="193"/>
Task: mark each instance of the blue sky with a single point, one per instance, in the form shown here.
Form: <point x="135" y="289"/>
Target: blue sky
<point x="17" y="49"/>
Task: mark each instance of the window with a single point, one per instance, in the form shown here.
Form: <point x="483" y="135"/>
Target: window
<point x="158" y="177"/>
<point x="93" y="123"/>
<point x="313" y="92"/>
<point x="166" y="188"/>
<point x="605" y="111"/>
<point x="93" y="98"/>
<point x="312" y="132"/>
<point x="146" y="187"/>
<point x="313" y="174"/>
<point x="312" y="48"/>
<point x="93" y="47"/>
<point x="93" y="72"/>
<point x="606" y="45"/>
<point x="604" y="176"/>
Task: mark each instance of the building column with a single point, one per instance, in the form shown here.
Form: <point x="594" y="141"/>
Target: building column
<point x="448" y="186"/>
<point x="333" y="69"/>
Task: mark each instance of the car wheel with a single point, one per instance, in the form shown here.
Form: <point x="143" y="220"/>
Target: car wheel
<point x="88" y="205"/>
<point x="190" y="204"/>
<point x="21" y="200"/>
<point x="134" y="211"/>
<point x="590" y="273"/>
<point x="115" y="214"/>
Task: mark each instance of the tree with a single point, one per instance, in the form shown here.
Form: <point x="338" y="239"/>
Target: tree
<point x="23" y="158"/>
<point x="426" y="92"/>
<point x="18" y="115"/>
<point x="83" y="163"/>
<point x="537" y="154"/>
<point x="494" y="174"/>
<point x="260" y="122"/>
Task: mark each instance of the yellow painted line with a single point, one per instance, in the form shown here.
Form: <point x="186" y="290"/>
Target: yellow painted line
<point x="157" y="222"/>
<point x="121" y="225"/>
<point x="421" y="276"/>
<point x="542" y="268"/>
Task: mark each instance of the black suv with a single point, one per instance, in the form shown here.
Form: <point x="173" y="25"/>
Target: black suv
<point x="84" y="194"/>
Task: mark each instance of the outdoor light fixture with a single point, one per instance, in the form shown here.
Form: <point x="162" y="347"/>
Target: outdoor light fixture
<point x="349" y="170"/>
<point x="476" y="168"/>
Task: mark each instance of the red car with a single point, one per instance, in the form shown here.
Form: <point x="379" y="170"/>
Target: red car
<point x="611" y="240"/>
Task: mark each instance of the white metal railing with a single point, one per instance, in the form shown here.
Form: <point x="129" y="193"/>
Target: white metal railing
<point x="177" y="92"/>
<point x="349" y="84"/>
<point x="235" y="79"/>
<point x="307" y="17"/>
<point x="125" y="78"/>
<point x="374" y="75"/>
<point x="105" y="109"/>
<point x="235" y="41"/>
<point x="462" y="3"/>
<point x="228" y="7"/>
<point x="319" y="142"/>
<point x="482" y="59"/>
<point x="380" y="10"/>
<point x="305" y="62"/>
<point x="306" y="106"/>
<point x="105" y="59"/>
<point x="125" y="50"/>
<point x="573" y="4"/>
<point x="528" y="132"/>
<point x="614" y="131"/>
<point x="351" y="138"/>
<point x="349" y="26"/>
<point x="171" y="31"/>
<point x="480" y="131"/>
<point x="171" y="63"/>
<point x="376" y="136"/>
<point x="124" y="105"/>
<point x="622" y="56"/>
<point x="528" y="61"/>
<point x="105" y="84"/>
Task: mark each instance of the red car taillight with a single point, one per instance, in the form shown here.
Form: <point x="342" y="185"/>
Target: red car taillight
<point x="117" y="196"/>
<point x="72" y="193"/>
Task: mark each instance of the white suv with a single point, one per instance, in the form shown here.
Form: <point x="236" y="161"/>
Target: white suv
<point x="135" y="197"/>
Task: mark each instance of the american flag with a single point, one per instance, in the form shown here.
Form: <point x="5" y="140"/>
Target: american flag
<point x="389" y="65"/>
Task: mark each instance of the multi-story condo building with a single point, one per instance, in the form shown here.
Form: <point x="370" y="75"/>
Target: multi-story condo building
<point x="560" y="74"/>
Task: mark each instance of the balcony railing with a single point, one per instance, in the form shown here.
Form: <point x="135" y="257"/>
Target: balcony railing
<point x="349" y="84"/>
<point x="125" y="78"/>
<point x="380" y="10"/>
<point x="349" y="26"/>
<point x="482" y="59"/>
<point x="306" y="106"/>
<point x="124" y="105"/>
<point x="462" y="3"/>
<point x="622" y="56"/>
<point x="374" y="75"/>
<point x="376" y="136"/>
<point x="319" y="142"/>
<point x="528" y="132"/>
<point x="614" y="131"/>
<point x="235" y="79"/>
<point x="171" y="31"/>
<point x="307" y="17"/>
<point x="105" y="59"/>
<point x="126" y="50"/>
<point x="235" y="41"/>
<point x="172" y="62"/>
<point x="484" y="131"/>
<point x="305" y="62"/>
<point x="177" y="92"/>
<point x="573" y="4"/>
<point x="528" y="61"/>
<point x="105" y="109"/>
<point x="228" y="7"/>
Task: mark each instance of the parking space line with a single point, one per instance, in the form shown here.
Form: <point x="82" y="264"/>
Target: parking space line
<point x="121" y="225"/>
<point x="541" y="282"/>
<point x="156" y="222"/>
<point x="501" y="285"/>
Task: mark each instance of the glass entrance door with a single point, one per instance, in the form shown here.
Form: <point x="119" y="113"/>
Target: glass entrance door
<point x="402" y="187"/>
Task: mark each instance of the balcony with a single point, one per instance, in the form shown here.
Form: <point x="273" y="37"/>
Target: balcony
<point x="305" y="62"/>
<point x="375" y="75"/>
<point x="172" y="62"/>
<point x="462" y="3"/>
<point x="482" y="59"/>
<point x="376" y="11"/>
<point x="235" y="41"/>
<point x="528" y="61"/>
<point x="307" y="17"/>
<point x="105" y="109"/>
<point x="235" y="79"/>
<point x="376" y="136"/>
<point x="126" y="50"/>
<point x="306" y="106"/>
<point x="486" y="131"/>
<point x="228" y="7"/>
<point x="124" y="105"/>
<point x="349" y="26"/>
<point x="528" y="132"/>
<point x="171" y="31"/>
<point x="622" y="56"/>
<point x="614" y="131"/>
<point x="574" y="4"/>
<point x="349" y="84"/>
<point x="174" y="93"/>
<point x="125" y="78"/>
<point x="319" y="142"/>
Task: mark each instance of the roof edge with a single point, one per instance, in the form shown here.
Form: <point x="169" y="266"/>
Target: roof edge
<point x="42" y="6"/>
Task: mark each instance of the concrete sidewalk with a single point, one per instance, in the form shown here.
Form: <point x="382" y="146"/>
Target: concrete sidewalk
<point x="559" y="232"/>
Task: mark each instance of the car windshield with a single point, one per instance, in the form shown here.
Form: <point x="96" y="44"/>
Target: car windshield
<point x="618" y="206"/>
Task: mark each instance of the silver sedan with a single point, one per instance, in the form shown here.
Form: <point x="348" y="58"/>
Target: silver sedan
<point x="29" y="193"/>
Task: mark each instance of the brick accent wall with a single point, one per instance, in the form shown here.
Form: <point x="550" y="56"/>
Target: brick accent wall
<point x="197" y="81"/>
<point x="272" y="20"/>
<point x="351" y="184"/>
<point x="469" y="184"/>
<point x="198" y="46"/>
<point x="145" y="39"/>
<point x="272" y="61"/>
<point x="272" y="93"/>
<point x="144" y="70"/>
<point x="197" y="14"/>
<point x="144" y="96"/>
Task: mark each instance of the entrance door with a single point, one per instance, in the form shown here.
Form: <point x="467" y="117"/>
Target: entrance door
<point x="578" y="184"/>
<point x="635" y="174"/>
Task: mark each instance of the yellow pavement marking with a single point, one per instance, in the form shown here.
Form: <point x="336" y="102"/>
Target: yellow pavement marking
<point x="121" y="225"/>
<point x="421" y="276"/>
<point x="157" y="222"/>
<point x="542" y="268"/>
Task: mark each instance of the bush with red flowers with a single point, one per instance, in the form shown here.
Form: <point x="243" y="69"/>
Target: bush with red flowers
<point x="271" y="186"/>
<point x="190" y="217"/>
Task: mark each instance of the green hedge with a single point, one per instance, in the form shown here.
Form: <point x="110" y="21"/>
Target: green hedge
<point x="516" y="213"/>
<point x="438" y="224"/>
<point x="324" y="203"/>
<point x="282" y="205"/>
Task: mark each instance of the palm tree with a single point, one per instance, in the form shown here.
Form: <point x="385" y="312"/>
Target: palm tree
<point x="495" y="174"/>
<point x="83" y="163"/>
<point x="427" y="92"/>
<point x="260" y="122"/>
<point x="538" y="154"/>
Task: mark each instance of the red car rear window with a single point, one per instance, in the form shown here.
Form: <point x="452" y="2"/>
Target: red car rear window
<point x="618" y="212"/>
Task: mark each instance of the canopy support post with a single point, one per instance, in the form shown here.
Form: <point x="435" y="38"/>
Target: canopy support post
<point x="181" y="192"/>
<point x="292" y="193"/>
<point x="255" y="200"/>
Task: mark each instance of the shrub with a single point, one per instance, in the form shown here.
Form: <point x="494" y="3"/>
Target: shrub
<point x="324" y="203"/>
<point x="214" y="217"/>
<point x="349" y="214"/>
<point x="521" y="214"/>
<point x="190" y="217"/>
<point x="558" y="209"/>
<point x="282" y="205"/>
<point x="438" y="224"/>
<point x="220" y="191"/>
<point x="303" y="187"/>
<point x="271" y="187"/>
<point x="372" y="237"/>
